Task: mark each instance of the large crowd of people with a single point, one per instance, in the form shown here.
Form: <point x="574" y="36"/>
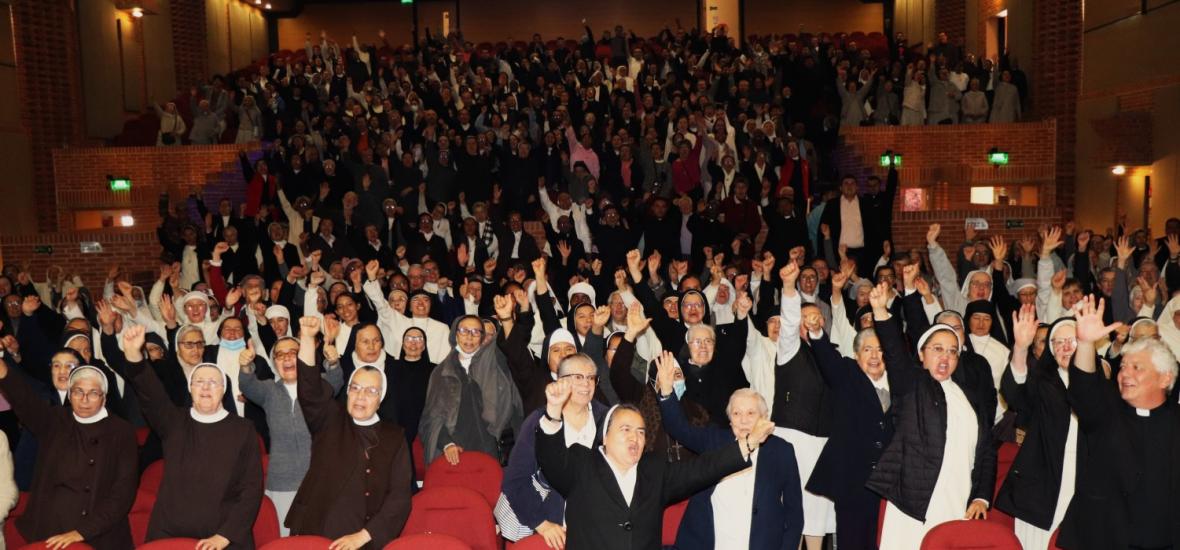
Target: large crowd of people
<point x="377" y="287"/>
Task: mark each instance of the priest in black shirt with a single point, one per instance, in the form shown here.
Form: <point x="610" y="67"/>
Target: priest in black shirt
<point x="1128" y="490"/>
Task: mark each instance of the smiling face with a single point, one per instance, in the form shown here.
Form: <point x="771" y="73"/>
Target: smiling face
<point x="701" y="345"/>
<point x="625" y="437"/>
<point x="206" y="388"/>
<point x="60" y="368"/>
<point x="869" y="357"/>
<point x="1064" y="343"/>
<point x="693" y="307"/>
<point x="940" y="355"/>
<point x="286" y="359"/>
<point x="558" y="352"/>
<point x="744" y="411"/>
<point x="980" y="287"/>
<point x="196" y="310"/>
<point x="420" y="306"/>
<point x="1140" y="383"/>
<point x="582" y="376"/>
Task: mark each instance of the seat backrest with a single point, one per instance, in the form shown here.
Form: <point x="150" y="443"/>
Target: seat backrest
<point x="299" y="542"/>
<point x="1053" y="541"/>
<point x="152" y="476"/>
<point x="12" y="536"/>
<point x="433" y="541"/>
<point x="976" y="535"/>
<point x="457" y="511"/>
<point x="266" y="524"/>
<point x="169" y="544"/>
<point x="40" y="545"/>
<point x="672" y="516"/>
<point x="139" y="524"/>
<point x="531" y="542"/>
<point x="475" y="470"/>
<point x="419" y="456"/>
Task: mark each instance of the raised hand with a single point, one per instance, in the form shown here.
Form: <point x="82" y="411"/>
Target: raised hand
<point x="788" y="274"/>
<point x="1050" y="240"/>
<point x="233" y="296"/>
<point x="133" y="337"/>
<point x="1090" y="325"/>
<point x="636" y="322"/>
<point x="665" y="372"/>
<point x="1024" y="326"/>
<point x="168" y="310"/>
<point x="1058" y="280"/>
<point x="879" y="300"/>
<point x="246" y="356"/>
<point x="1149" y="290"/>
<point x="932" y="234"/>
<point x="743" y="305"/>
<point x="556" y="395"/>
<point x="601" y="318"/>
<point x="331" y="329"/>
<point x="309" y="326"/>
<point x="909" y="273"/>
<point x="999" y="251"/>
<point x="461" y="254"/>
<point x="504" y="306"/>
<point x="1173" y="246"/>
<point x="106" y="316"/>
<point x="1124" y="250"/>
<point x="372" y="269"/>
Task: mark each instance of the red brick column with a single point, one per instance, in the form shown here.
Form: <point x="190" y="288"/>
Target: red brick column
<point x="1055" y="82"/>
<point x="49" y="74"/>
<point x="189" y="43"/>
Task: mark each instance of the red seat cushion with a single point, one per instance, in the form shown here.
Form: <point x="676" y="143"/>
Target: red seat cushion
<point x="672" y="516"/>
<point x="431" y="541"/>
<point x="301" y="542"/>
<point x="976" y="535"/>
<point x="456" y="511"/>
<point x="169" y="544"/>
<point x="475" y="470"/>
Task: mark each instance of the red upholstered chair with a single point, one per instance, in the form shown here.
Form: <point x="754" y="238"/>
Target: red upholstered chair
<point x="672" y="516"/>
<point x="1053" y="541"/>
<point x="170" y="544"/>
<point x="967" y="534"/>
<point x="266" y="524"/>
<point x="152" y="476"/>
<point x="429" y="541"/>
<point x="12" y="537"/>
<point x="457" y="511"/>
<point x="532" y="542"/>
<point x="41" y="546"/>
<point x="302" y="542"/>
<point x="139" y="524"/>
<point x="419" y="456"/>
<point x="141" y="435"/>
<point x="476" y="470"/>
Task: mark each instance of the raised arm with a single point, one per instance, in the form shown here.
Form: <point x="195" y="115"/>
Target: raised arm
<point x="314" y="393"/>
<point x="792" y="316"/>
<point x="157" y="407"/>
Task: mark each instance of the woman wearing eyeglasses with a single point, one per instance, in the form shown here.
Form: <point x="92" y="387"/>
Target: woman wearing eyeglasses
<point x="411" y="377"/>
<point x="471" y="401"/>
<point x="85" y="483"/>
<point x="940" y="465"/>
<point x="527" y="503"/>
<point x="290" y="442"/>
<point x="212" y="485"/>
<point x="357" y="488"/>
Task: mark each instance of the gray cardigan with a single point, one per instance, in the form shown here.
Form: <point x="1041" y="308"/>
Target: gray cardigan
<point x="290" y="441"/>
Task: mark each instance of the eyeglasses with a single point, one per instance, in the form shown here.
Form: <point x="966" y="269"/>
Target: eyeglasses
<point x="286" y="354"/>
<point x="470" y="331"/>
<point x="693" y="305"/>
<point x="71" y="366"/>
<point x="940" y="351"/>
<point x="1063" y="342"/>
<point x="368" y="391"/>
<point x="414" y="338"/>
<point x="83" y="395"/>
<point x="591" y="378"/>
<point x="206" y="384"/>
<point x="193" y="344"/>
<point x="698" y="342"/>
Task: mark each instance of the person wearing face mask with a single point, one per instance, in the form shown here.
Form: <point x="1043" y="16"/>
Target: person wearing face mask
<point x="527" y="502"/>
<point x="760" y="507"/>
<point x="212" y="487"/>
<point x="290" y="442"/>
<point x="471" y="401"/>
<point x="940" y="465"/>
<point x="357" y="488"/>
<point x="1041" y="483"/>
<point x="616" y="494"/>
<point x="85" y="483"/>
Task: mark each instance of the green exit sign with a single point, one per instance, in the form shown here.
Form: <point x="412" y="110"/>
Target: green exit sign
<point x="995" y="157"/>
<point x="407" y="1"/>
<point x="119" y="184"/>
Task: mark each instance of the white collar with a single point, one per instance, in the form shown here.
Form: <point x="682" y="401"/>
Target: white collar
<point x="100" y="415"/>
<point x="211" y="418"/>
<point x="367" y="422"/>
<point x="357" y="363"/>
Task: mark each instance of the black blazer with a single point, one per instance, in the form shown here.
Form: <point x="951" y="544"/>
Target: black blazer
<point x="860" y="429"/>
<point x="596" y="514"/>
<point x="1111" y="470"/>
<point x="1030" y="490"/>
<point x="909" y="467"/>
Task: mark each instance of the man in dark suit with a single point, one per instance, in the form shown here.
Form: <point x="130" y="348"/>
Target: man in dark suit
<point x="516" y="244"/>
<point x="855" y="221"/>
<point x="1128" y="490"/>
<point x="374" y="249"/>
<point x="425" y="242"/>
<point x="332" y="248"/>
<point x="616" y="497"/>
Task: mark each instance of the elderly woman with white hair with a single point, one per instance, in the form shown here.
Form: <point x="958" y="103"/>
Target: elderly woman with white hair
<point x="84" y="484"/>
<point x="760" y="507"/>
<point x="212" y="486"/>
<point x="290" y="442"/>
<point x="357" y="488"/>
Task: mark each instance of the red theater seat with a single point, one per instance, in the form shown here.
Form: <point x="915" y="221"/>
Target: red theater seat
<point x="42" y="546"/>
<point x="13" y="537"/>
<point x="428" y="542"/>
<point x="476" y="470"/>
<point x="266" y="524"/>
<point x="456" y="511"/>
<point x="170" y="544"/>
<point x="533" y="542"/>
<point x="967" y="534"/>
<point x="302" y="542"/>
<point x="672" y="516"/>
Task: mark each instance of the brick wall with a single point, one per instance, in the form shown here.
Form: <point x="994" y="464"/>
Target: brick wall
<point x="81" y="175"/>
<point x="137" y="252"/>
<point x="1056" y="82"/>
<point x="49" y="74"/>
<point x="189" y="42"/>
<point x="946" y="161"/>
<point x="950" y="16"/>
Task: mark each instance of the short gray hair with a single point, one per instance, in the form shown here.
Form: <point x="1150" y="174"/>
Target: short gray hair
<point x="742" y="393"/>
<point x="1160" y="356"/>
<point x="702" y="326"/>
<point x="577" y="358"/>
<point x="860" y="338"/>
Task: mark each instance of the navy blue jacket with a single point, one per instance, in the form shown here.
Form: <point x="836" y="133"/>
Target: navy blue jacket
<point x="777" y="522"/>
